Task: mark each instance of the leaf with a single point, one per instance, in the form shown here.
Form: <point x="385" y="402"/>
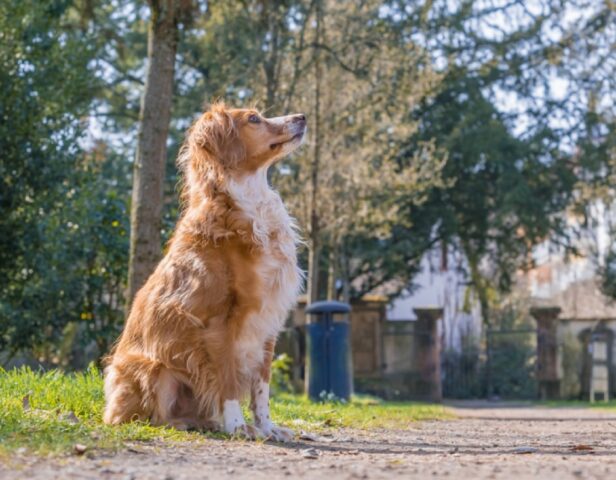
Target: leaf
<point x="582" y="448"/>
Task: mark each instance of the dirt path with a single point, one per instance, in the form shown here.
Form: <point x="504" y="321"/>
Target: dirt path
<point x="518" y="443"/>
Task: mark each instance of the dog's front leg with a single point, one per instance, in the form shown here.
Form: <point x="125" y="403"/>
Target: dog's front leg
<point x="259" y="401"/>
<point x="232" y="417"/>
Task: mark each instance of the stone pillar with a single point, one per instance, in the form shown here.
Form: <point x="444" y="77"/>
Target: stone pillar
<point x="428" y="353"/>
<point x="547" y="351"/>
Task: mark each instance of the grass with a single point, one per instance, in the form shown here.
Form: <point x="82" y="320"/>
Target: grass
<point x="38" y="410"/>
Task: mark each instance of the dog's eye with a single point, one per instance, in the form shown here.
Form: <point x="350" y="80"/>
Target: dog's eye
<point x="254" y="119"/>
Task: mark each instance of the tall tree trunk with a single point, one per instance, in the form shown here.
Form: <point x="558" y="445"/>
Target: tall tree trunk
<point x="332" y="271"/>
<point x="270" y="20"/>
<point x="345" y="269"/>
<point x="314" y="240"/>
<point x="479" y="283"/>
<point x="149" y="169"/>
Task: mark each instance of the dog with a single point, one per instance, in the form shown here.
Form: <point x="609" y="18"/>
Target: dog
<point x="201" y="332"/>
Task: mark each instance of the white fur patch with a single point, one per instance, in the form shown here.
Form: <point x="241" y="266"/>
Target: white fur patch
<point x="261" y="408"/>
<point x="232" y="416"/>
<point x="275" y="232"/>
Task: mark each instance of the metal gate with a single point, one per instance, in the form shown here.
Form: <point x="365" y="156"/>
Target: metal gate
<point x="503" y="366"/>
<point x="511" y="364"/>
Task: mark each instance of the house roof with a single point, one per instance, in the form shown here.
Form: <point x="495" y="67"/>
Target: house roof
<point x="581" y="300"/>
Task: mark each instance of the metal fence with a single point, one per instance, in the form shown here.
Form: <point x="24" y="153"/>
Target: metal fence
<point x="505" y="365"/>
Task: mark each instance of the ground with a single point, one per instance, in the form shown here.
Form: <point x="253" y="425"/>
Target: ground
<point x="482" y="441"/>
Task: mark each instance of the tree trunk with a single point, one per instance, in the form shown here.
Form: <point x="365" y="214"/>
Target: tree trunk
<point x="331" y="273"/>
<point x="344" y="275"/>
<point x="479" y="283"/>
<point x="314" y="241"/>
<point x="149" y="169"/>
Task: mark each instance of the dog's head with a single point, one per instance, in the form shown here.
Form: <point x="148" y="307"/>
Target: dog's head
<point x="239" y="141"/>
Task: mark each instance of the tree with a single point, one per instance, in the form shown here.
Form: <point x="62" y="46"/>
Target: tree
<point x="502" y="195"/>
<point x="61" y="257"/>
<point x="154" y="118"/>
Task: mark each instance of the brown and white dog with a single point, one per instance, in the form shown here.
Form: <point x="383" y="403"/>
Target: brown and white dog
<point x="202" y="330"/>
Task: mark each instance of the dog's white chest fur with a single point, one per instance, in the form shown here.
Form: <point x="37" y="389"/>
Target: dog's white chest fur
<point x="274" y="232"/>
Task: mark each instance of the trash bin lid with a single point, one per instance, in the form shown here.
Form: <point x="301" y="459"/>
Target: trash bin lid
<point x="328" y="306"/>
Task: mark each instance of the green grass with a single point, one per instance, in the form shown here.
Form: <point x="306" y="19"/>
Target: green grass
<point x="45" y="426"/>
<point x="362" y="412"/>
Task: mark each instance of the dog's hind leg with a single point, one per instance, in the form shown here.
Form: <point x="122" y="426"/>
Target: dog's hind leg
<point x="175" y="403"/>
<point x="129" y="383"/>
<point x="123" y="397"/>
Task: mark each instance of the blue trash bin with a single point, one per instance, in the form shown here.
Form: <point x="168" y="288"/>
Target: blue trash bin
<point x="328" y="350"/>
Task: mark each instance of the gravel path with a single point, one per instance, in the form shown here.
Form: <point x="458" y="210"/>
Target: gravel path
<point x="483" y="442"/>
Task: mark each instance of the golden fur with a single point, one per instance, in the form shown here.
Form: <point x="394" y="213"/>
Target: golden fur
<point x="202" y="330"/>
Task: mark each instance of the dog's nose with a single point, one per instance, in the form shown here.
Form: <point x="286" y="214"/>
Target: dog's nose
<point x="299" y="118"/>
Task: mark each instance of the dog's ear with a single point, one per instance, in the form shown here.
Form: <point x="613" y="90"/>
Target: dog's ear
<point x="216" y="138"/>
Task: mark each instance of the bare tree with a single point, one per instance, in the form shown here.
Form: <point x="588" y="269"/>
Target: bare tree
<point x="313" y="229"/>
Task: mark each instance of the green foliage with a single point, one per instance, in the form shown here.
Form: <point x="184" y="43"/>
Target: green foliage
<point x="512" y="352"/>
<point x="608" y="274"/>
<point x="502" y="194"/>
<point x="512" y="366"/>
<point x="281" y="374"/>
<point x="62" y="215"/>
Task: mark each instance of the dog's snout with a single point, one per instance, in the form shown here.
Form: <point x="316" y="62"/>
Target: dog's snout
<point x="299" y="118"/>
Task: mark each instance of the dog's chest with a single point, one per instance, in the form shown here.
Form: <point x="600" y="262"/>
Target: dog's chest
<point x="274" y="241"/>
<point x="277" y="267"/>
<point x="279" y="279"/>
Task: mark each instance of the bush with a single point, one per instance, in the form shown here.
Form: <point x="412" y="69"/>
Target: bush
<point x="281" y="374"/>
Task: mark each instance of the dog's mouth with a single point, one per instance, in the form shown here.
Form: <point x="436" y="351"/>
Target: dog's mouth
<point x="295" y="138"/>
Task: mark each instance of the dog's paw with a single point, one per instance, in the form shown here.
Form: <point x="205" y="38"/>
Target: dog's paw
<point x="277" y="434"/>
<point x="249" y="432"/>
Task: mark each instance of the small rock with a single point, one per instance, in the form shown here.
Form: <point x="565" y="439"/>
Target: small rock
<point x="70" y="417"/>
<point x="310" y="453"/>
<point x="303" y="435"/>
<point x="80" y="448"/>
<point x="135" y="450"/>
<point x="525" y="450"/>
